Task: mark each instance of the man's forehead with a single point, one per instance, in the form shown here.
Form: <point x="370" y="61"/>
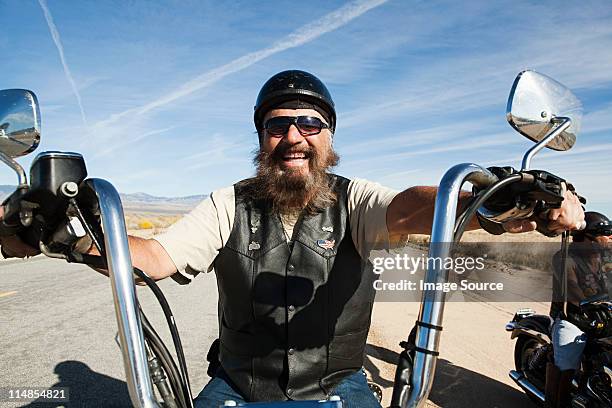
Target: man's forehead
<point x="293" y="112"/>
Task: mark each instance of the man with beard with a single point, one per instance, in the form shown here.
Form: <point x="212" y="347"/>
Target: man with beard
<point x="585" y="271"/>
<point x="290" y="250"/>
<point x="292" y="241"/>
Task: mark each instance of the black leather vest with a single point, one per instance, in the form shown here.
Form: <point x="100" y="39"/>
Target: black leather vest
<point x="294" y="317"/>
<point x="589" y="281"/>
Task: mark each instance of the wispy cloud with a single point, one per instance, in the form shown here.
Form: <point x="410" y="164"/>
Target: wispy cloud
<point x="303" y="35"/>
<point x="409" y="138"/>
<point x="114" y="146"/>
<point x="60" y="49"/>
<point x="469" y="144"/>
<point x="548" y="155"/>
<point x="598" y="121"/>
<point x="424" y="100"/>
<point x="18" y="119"/>
<point x="459" y="83"/>
<point x="217" y="152"/>
<point x="417" y="85"/>
<point x="138" y="176"/>
<point x="391" y="177"/>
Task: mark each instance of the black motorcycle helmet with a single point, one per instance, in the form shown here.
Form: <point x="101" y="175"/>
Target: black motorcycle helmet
<point x="597" y="224"/>
<point x="294" y="85"/>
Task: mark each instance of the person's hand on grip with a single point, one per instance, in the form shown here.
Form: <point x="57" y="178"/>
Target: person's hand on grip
<point x="519" y="226"/>
<point x="569" y="217"/>
<point x="13" y="247"/>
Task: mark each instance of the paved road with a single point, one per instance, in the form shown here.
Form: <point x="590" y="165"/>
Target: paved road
<point x="58" y="329"/>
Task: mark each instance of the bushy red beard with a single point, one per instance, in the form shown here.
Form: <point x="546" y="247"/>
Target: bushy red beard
<point x="290" y="190"/>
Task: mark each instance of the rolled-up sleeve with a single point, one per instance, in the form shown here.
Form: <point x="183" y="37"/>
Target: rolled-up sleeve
<point x="195" y="240"/>
<point x="367" y="207"/>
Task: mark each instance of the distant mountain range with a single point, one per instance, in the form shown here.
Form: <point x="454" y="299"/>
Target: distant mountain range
<point x="142" y="202"/>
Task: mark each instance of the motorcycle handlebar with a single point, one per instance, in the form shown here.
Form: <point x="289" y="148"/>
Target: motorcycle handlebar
<point x="413" y="392"/>
<point x="124" y="294"/>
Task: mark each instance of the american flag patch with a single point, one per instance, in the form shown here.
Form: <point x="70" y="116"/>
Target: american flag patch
<point x="326" y="243"/>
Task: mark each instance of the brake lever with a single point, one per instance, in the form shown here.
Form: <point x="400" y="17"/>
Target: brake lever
<point x="547" y="190"/>
<point x="95" y="261"/>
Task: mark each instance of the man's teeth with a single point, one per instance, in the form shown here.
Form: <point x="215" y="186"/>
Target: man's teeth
<point x="295" y="156"/>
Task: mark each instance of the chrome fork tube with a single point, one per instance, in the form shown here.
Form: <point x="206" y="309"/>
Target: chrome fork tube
<point x="124" y="294"/>
<point x="432" y="301"/>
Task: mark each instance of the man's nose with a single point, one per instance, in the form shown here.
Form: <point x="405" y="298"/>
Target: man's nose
<point x="293" y="135"/>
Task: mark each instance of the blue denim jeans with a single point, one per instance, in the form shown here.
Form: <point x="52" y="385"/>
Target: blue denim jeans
<point x="353" y="390"/>
<point x="568" y="344"/>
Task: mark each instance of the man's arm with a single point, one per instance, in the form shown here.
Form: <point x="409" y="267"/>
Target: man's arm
<point x="147" y="255"/>
<point x="191" y="244"/>
<point x="193" y="241"/>
<point x="412" y="211"/>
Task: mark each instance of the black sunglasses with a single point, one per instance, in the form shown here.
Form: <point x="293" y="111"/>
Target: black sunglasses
<point x="599" y="232"/>
<point x="307" y="125"/>
<point x="599" y="229"/>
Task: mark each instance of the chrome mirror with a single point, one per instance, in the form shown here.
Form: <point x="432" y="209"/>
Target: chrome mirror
<point x="19" y="122"/>
<point x="538" y="105"/>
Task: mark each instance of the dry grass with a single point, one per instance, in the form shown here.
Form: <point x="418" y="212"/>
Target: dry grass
<point x="483" y="236"/>
<point x="148" y="224"/>
<point x="530" y="249"/>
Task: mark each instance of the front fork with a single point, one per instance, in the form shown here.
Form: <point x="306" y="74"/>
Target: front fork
<point x="414" y="379"/>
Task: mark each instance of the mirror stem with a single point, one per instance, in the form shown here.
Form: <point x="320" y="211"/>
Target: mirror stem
<point x="563" y="122"/>
<point x="23" y="181"/>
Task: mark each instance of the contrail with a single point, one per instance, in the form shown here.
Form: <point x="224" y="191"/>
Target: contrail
<point x="124" y="142"/>
<point x="60" y="49"/>
<point x="302" y="35"/>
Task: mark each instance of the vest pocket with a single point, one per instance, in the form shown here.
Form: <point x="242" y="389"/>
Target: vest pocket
<point x="238" y="368"/>
<point x="238" y="343"/>
<point x="346" y="350"/>
<point x="242" y="343"/>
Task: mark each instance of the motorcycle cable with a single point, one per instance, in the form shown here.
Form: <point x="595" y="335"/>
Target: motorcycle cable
<point x="558" y="303"/>
<point x="176" y="339"/>
<point x="100" y="261"/>
<point x="96" y="236"/>
<point x="159" y="377"/>
<point x="407" y="356"/>
<point x="161" y="351"/>
<point x="478" y="201"/>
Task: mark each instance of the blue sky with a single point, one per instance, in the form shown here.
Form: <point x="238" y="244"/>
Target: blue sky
<point x="158" y="96"/>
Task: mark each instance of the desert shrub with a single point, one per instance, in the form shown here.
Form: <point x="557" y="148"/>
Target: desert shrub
<point x="145" y="224"/>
